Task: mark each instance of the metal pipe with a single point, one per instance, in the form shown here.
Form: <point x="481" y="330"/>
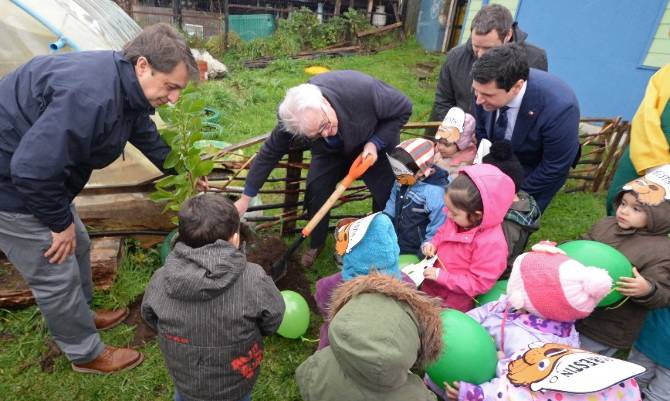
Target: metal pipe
<point x="57" y="45"/>
<point x="62" y="39"/>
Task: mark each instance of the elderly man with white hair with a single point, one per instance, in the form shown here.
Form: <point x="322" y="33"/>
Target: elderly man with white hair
<point x="339" y="114"/>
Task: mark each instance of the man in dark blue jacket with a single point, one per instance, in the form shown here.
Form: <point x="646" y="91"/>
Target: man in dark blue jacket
<point x="338" y="115"/>
<point x="61" y="116"/>
<point x="534" y="110"/>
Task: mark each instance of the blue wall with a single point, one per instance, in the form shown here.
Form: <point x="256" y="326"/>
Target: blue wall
<point x="429" y="32"/>
<point x="597" y="47"/>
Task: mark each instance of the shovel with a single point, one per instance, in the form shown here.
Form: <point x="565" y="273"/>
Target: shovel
<point x="358" y="168"/>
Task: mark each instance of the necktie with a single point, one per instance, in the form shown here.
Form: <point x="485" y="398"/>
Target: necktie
<point x="501" y="125"/>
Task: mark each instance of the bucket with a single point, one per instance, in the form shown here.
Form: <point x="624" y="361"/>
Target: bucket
<point x="379" y="16"/>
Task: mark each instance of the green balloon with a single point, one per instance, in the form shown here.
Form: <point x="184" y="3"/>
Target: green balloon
<point x="468" y="351"/>
<point x="498" y="289"/>
<point x="407" y="259"/>
<point x="296" y="317"/>
<point x="593" y="253"/>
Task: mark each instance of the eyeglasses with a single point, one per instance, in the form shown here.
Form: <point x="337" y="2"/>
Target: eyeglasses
<point x="325" y="123"/>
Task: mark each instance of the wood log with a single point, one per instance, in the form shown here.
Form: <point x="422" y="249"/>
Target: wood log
<point x="122" y="211"/>
<point x="376" y="31"/>
<point x="106" y="254"/>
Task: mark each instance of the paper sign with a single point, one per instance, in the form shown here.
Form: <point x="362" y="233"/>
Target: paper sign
<point x="415" y="271"/>
<point x="350" y="235"/>
<point x="483" y="150"/>
<point x="452" y="125"/>
<point x="557" y="367"/>
<point x="653" y="188"/>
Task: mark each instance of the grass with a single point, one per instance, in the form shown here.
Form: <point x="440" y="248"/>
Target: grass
<point x="248" y="101"/>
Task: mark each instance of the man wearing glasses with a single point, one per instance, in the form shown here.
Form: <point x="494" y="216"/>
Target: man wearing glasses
<point x="340" y="114"/>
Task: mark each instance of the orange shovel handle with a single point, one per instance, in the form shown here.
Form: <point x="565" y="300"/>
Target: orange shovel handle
<point x="357" y="169"/>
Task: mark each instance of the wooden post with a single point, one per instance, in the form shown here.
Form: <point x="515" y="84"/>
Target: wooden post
<point x="176" y="12"/>
<point x="370" y="4"/>
<point x="226" y="13"/>
<point x="396" y="14"/>
<point x="449" y="26"/>
<point x="338" y="4"/>
<point x="292" y="195"/>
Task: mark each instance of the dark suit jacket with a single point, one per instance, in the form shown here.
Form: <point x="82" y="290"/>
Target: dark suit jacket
<point x="545" y="137"/>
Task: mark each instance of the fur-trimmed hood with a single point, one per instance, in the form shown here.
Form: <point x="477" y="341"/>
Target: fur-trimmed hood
<point x="379" y="329"/>
<point x="425" y="310"/>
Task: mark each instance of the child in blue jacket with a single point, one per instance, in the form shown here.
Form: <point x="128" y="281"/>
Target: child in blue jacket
<point x="417" y="197"/>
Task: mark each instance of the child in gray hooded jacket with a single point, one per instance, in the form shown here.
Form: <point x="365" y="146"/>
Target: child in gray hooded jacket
<point x="210" y="307"/>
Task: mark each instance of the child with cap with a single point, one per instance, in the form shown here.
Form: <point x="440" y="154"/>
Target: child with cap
<point x="417" y="197"/>
<point x="455" y="141"/>
<point x="367" y="244"/>
<point x="639" y="230"/>
<point x="547" y="291"/>
<point x="523" y="217"/>
<point x="470" y="245"/>
<point x="380" y="328"/>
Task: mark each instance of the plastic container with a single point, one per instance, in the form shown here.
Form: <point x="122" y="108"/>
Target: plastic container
<point x="379" y="16"/>
<point x="252" y="26"/>
<point x="212" y="131"/>
<point x="211" y="115"/>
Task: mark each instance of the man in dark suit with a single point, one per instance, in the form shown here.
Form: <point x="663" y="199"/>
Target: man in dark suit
<point x="534" y="110"/>
<point x="491" y="27"/>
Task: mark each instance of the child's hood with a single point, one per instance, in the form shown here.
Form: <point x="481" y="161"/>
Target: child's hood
<point x="496" y="189"/>
<point x="381" y="327"/>
<point x="658" y="218"/>
<point x="199" y="274"/>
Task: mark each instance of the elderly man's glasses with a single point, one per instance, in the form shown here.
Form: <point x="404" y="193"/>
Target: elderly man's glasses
<point x="325" y="124"/>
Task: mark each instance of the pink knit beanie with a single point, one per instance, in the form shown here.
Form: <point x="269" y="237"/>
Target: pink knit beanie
<point x="549" y="284"/>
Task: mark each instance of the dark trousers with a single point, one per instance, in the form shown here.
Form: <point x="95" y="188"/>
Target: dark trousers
<point x="326" y="170"/>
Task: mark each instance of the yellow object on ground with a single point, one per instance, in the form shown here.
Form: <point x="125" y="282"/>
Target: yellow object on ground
<point x="316" y="70"/>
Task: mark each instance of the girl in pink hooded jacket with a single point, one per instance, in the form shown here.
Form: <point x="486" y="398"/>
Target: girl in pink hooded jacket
<point x="470" y="245"/>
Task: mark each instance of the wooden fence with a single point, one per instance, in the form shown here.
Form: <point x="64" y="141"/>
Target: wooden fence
<point x="602" y="148"/>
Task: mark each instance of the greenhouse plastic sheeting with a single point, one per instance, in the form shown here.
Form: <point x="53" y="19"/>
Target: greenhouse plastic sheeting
<point x="88" y="24"/>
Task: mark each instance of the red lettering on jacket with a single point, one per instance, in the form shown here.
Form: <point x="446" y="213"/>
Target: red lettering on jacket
<point x="248" y="364"/>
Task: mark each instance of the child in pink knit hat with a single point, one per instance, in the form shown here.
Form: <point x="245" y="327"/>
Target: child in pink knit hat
<point x="546" y="292"/>
<point x="455" y="142"/>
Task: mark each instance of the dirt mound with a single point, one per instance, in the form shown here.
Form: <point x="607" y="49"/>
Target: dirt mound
<point x="143" y="332"/>
<point x="267" y="250"/>
<point x="48" y="357"/>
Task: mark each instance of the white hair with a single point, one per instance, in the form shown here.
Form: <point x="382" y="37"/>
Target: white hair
<point x="297" y="100"/>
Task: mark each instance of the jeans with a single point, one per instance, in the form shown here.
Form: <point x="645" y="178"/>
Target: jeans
<point x="63" y="292"/>
<point x="655" y="382"/>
